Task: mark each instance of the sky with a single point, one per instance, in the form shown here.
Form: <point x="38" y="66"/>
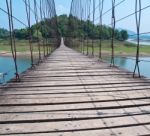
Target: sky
<point x="63" y="7"/>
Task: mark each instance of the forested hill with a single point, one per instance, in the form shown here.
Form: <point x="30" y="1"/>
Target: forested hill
<point x="69" y="27"/>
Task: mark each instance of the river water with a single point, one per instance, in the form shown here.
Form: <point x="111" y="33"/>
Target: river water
<point x="7" y="66"/>
<point x="142" y="42"/>
<point x="129" y="64"/>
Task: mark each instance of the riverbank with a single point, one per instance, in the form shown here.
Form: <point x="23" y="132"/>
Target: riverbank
<point x="19" y="54"/>
<point x="120" y="54"/>
<point x="22" y="47"/>
<point x="142" y="42"/>
<point x="121" y="48"/>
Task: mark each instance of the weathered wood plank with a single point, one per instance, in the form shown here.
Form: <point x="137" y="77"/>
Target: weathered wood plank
<point x="70" y="94"/>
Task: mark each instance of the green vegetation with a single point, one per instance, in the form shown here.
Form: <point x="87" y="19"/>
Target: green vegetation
<point x="45" y="30"/>
<point x="4" y="33"/>
<point x="121" y="48"/>
<point x="69" y="27"/>
<point x="73" y="27"/>
<point x="76" y="30"/>
<point x="22" y="45"/>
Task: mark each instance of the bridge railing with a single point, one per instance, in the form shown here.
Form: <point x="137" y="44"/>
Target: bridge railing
<point x="89" y="33"/>
<point x="31" y="31"/>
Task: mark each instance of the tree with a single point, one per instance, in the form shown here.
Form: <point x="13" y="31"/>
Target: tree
<point x="68" y="26"/>
<point x="4" y="33"/>
<point x="21" y="33"/>
<point x="123" y="35"/>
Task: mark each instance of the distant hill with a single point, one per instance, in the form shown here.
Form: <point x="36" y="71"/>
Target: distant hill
<point x="131" y="34"/>
<point x="129" y="31"/>
<point x="145" y="37"/>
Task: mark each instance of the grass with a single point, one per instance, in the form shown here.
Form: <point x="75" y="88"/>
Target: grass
<point x="120" y="47"/>
<point x="21" y="46"/>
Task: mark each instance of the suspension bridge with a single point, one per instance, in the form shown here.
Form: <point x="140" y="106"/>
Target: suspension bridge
<point x="69" y="93"/>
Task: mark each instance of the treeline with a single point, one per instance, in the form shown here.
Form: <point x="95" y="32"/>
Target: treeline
<point x="46" y="29"/>
<point x="4" y="33"/>
<point x="73" y="27"/>
<point x="67" y="27"/>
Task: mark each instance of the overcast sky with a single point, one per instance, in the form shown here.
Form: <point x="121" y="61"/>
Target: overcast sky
<point x="63" y="7"/>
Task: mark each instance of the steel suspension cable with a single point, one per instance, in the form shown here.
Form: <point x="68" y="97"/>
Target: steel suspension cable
<point x="41" y="8"/>
<point x="31" y="10"/>
<point x="15" y="18"/>
<point x="79" y="23"/>
<point x="12" y="37"/>
<point x="49" y="10"/>
<point x="37" y="28"/>
<point x="46" y="6"/>
<point x="74" y="18"/>
<point x="109" y="10"/>
<point x="82" y="34"/>
<point x="42" y="29"/>
<point x="28" y="14"/>
<point x="81" y="19"/>
<point x="58" y="34"/>
<point x="93" y="27"/>
<point x="44" y="15"/>
<point x="135" y="12"/>
<point x="84" y="27"/>
<point x="50" y="13"/>
<point x="138" y="23"/>
<point x="113" y="33"/>
<point x="88" y="24"/>
<point x="101" y="4"/>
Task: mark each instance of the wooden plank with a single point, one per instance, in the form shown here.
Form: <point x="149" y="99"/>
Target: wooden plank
<point x="70" y="94"/>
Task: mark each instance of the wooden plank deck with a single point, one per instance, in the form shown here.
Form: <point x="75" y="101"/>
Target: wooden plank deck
<point x="72" y="95"/>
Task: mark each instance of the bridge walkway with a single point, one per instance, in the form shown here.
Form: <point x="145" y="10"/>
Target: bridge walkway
<point x="70" y="94"/>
